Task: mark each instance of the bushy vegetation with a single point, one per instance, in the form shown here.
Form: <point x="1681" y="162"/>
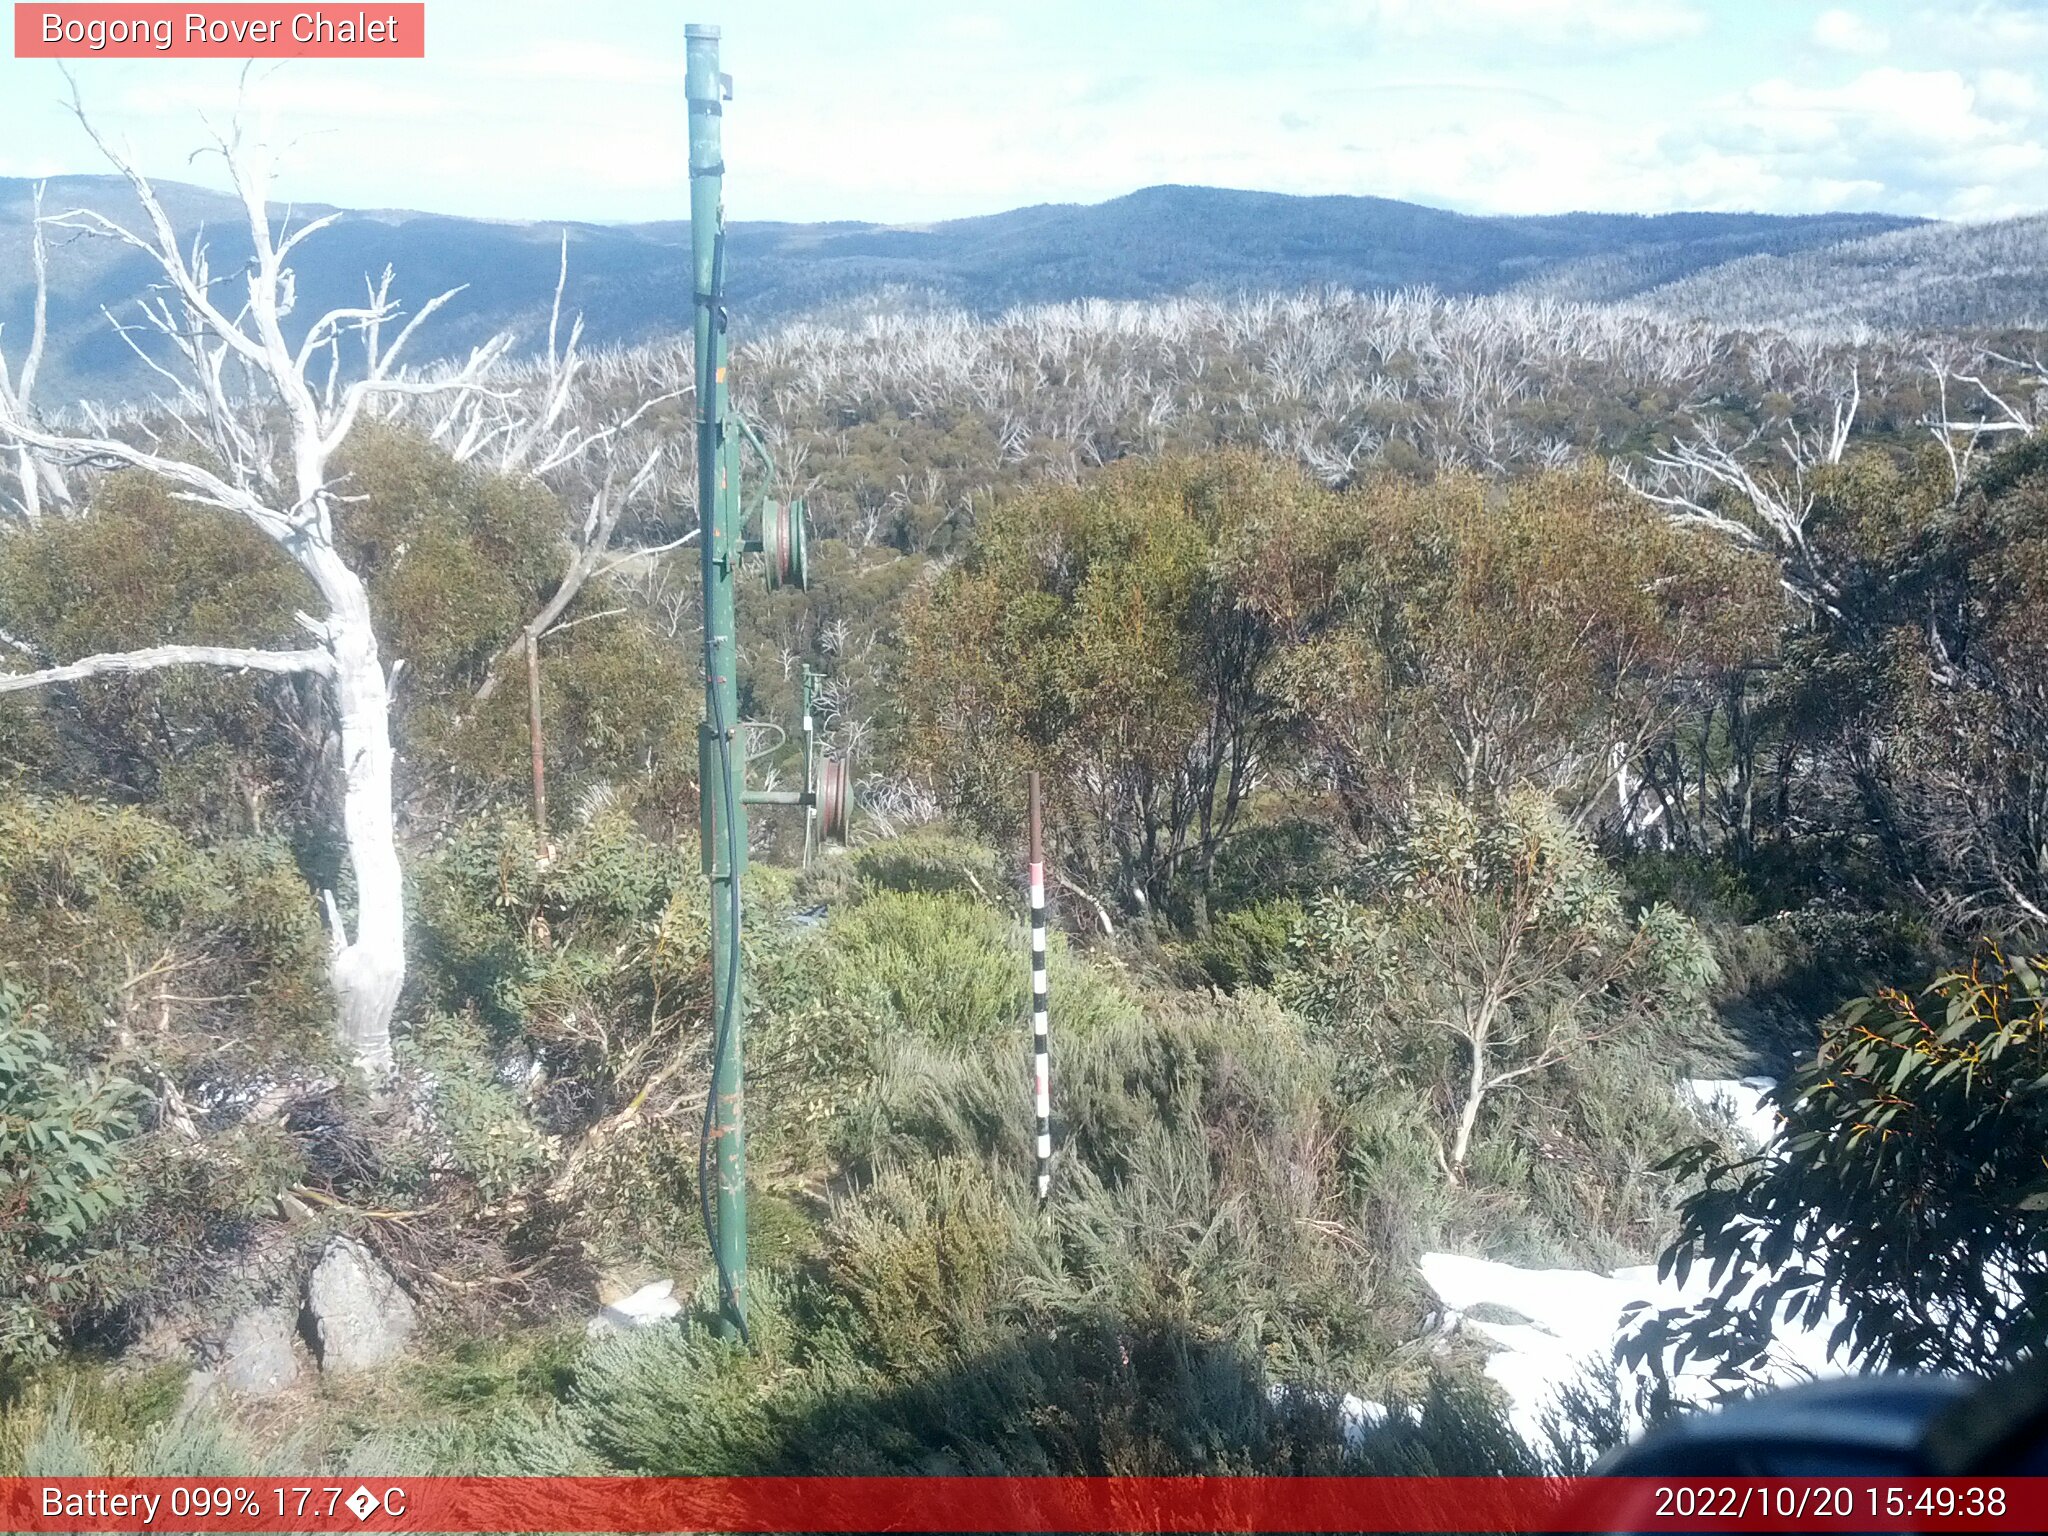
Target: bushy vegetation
<point x="1414" y="819"/>
<point x="1908" y="1202"/>
<point x="63" y="1154"/>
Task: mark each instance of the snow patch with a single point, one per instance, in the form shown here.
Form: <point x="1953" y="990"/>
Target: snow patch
<point x="1737" y="1101"/>
<point x="647" y="1306"/>
<point x="1574" y="1319"/>
<point x="1354" y="1414"/>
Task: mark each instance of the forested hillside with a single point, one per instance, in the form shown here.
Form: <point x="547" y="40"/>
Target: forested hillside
<point x="626" y="279"/>
<point x="1461" y="717"/>
<point x="1933" y="277"/>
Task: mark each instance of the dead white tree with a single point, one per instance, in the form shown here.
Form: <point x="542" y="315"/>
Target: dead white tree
<point x="535" y="423"/>
<point x="1961" y="437"/>
<point x="35" y="478"/>
<point x="264" y="436"/>
<point x="1776" y="489"/>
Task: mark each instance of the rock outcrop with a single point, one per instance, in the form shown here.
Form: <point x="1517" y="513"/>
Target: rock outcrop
<point x="356" y="1314"/>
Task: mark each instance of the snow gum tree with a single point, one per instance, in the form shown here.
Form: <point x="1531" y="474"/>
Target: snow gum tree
<point x="255" y="410"/>
<point x="1500" y="933"/>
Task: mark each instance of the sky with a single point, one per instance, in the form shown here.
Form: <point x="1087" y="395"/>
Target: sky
<point x="919" y="110"/>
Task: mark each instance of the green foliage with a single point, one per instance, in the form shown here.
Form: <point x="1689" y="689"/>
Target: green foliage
<point x="490" y="1372"/>
<point x="513" y="1439"/>
<point x="1454" y="1427"/>
<point x="109" y="912"/>
<point x="576" y="972"/>
<point x="1908" y="1193"/>
<point x="1201" y="1184"/>
<point x="914" y="1352"/>
<point x="1494" y="989"/>
<point x="680" y="1400"/>
<point x="941" y="966"/>
<point x="455" y="553"/>
<point x="947" y="1329"/>
<point x="490" y="1138"/>
<point x="1249" y="946"/>
<point x="1471" y="637"/>
<point x="69" y="1408"/>
<point x="207" y="750"/>
<point x="531" y="937"/>
<point x="1232" y="678"/>
<point x="1288" y="847"/>
<point x="458" y="561"/>
<point x="64" y="1159"/>
<point x="93" y="1429"/>
<point x="929" y="861"/>
<point x="1094" y="633"/>
<point x="1495" y="951"/>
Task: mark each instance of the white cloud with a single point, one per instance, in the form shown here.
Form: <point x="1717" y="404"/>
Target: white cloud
<point x="1526" y="106"/>
<point x="1846" y="32"/>
<point x="280" y="95"/>
<point x="1928" y="141"/>
<point x="1935" y="106"/>
<point x="1990" y="31"/>
<point x="1605" y="22"/>
<point x="2008" y="90"/>
<point x="982" y="28"/>
<point x="581" y="60"/>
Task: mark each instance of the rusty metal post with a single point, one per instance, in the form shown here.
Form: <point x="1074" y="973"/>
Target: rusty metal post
<point x="540" y="769"/>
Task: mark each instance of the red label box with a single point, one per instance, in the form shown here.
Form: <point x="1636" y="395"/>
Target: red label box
<point x="236" y="31"/>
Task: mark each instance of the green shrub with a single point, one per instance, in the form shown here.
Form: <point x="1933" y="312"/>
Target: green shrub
<point x="1908" y="1189"/>
<point x="107" y="912"/>
<point x="209" y="752"/>
<point x="564" y="954"/>
<point x="941" y="966"/>
<point x="514" y="1439"/>
<point x="64" y="1174"/>
<point x="1247" y="948"/>
<point x="104" y="1425"/>
<point x="679" y="1401"/>
<point x="934" y="862"/>
<point x="488" y="1136"/>
<point x="582" y="974"/>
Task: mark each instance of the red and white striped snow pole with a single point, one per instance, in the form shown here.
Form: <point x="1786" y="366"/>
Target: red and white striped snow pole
<point x="1041" y="1099"/>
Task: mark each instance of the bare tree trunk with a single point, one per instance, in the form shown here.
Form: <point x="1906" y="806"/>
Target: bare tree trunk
<point x="31" y="488"/>
<point x="1468" y="1116"/>
<point x="237" y="474"/>
<point x="369" y="970"/>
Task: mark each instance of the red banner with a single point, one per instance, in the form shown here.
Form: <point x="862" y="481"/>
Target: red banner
<point x="75" y="31"/>
<point x="1023" y="1504"/>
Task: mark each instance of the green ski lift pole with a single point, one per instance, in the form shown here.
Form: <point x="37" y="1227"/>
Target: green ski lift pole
<point x="720" y="758"/>
<point x="826" y="796"/>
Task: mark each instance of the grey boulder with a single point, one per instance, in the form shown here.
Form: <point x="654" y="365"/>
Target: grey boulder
<point x="257" y="1359"/>
<point x="357" y="1314"/>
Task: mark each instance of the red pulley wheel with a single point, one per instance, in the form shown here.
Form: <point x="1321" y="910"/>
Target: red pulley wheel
<point x="782" y="542"/>
<point x="835" y="799"/>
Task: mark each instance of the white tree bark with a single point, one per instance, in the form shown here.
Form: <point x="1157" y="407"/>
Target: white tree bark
<point x="1779" y="502"/>
<point x="235" y="423"/>
<point x="368" y="969"/>
<point x="158" y="657"/>
<point x="17" y="386"/>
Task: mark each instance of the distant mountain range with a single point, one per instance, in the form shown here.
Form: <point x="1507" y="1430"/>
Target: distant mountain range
<point x="632" y="281"/>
